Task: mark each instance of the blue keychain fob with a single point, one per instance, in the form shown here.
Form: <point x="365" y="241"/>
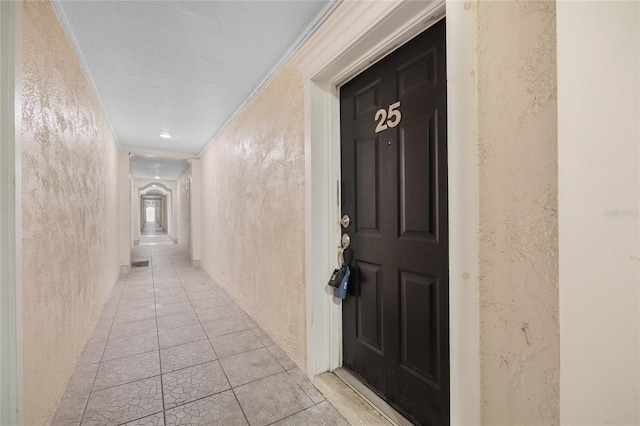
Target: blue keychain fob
<point x="341" y="290"/>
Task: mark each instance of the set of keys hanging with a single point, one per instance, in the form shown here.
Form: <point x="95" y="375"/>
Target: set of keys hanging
<point x="340" y="277"/>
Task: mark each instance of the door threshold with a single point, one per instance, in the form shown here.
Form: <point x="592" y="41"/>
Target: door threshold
<point x="378" y="404"/>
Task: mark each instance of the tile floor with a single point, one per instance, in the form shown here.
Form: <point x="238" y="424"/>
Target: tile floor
<point x="152" y="233"/>
<point x="171" y="348"/>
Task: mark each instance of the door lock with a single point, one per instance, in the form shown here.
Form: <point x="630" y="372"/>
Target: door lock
<point x="346" y="241"/>
<point x="345" y="221"/>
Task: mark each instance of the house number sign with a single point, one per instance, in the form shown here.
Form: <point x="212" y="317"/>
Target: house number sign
<point x="390" y="118"/>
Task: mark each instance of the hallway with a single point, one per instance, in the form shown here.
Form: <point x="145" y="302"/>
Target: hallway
<point x="153" y="233"/>
<point x="266" y="143"/>
<point x="171" y="347"/>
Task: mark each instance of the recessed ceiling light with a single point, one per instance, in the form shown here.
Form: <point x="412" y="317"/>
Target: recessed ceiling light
<point x="153" y="186"/>
<point x="165" y="135"/>
<point x="156" y="177"/>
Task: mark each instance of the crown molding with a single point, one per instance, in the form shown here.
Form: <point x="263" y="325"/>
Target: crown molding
<point x="354" y="35"/>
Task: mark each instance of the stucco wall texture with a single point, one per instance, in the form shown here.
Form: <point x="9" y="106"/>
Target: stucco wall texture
<point x="517" y="166"/>
<point x="184" y="211"/>
<point x="253" y="211"/>
<point x="70" y="161"/>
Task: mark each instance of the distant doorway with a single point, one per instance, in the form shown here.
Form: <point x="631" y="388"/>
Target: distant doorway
<point x="159" y="198"/>
<point x="151" y="214"/>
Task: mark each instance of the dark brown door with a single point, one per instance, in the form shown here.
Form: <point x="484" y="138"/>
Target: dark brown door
<point x="394" y="189"/>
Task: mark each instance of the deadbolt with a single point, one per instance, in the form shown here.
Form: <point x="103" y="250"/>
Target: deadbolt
<point x="346" y="240"/>
<point x="345" y="221"/>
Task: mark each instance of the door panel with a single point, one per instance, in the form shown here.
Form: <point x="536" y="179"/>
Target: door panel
<point x="367" y="166"/>
<point x="417" y="183"/>
<point x="394" y="188"/>
<point x="420" y="70"/>
<point x="418" y="325"/>
<point x="370" y="306"/>
<point x="367" y="100"/>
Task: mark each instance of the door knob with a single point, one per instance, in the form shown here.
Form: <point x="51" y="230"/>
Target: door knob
<point x="345" y="221"/>
<point x="346" y="240"/>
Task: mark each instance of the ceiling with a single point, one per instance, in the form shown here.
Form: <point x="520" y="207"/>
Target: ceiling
<point x="184" y="67"/>
<point x="150" y="167"/>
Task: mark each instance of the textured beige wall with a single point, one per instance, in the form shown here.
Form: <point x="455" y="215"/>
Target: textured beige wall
<point x="253" y="212"/>
<point x="253" y="199"/>
<point x="70" y="211"/>
<point x="184" y="212"/>
<point x="517" y="149"/>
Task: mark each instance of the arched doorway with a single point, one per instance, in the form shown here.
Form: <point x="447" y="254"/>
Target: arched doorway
<point x="154" y="217"/>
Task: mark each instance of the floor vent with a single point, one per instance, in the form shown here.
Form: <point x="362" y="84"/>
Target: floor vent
<point x="139" y="263"/>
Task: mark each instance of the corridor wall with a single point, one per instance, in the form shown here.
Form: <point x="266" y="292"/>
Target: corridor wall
<point x="184" y="211"/>
<point x="599" y="210"/>
<point x="254" y="207"/>
<point x="518" y="194"/>
<point x="253" y="212"/>
<point x="70" y="211"/>
<point x="557" y="296"/>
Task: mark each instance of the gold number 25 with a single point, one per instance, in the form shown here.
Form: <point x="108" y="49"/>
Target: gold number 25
<point x="394" y="117"/>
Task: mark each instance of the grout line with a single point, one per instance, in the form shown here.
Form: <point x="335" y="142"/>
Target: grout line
<point x="190" y="297"/>
<point x="127" y="383"/>
<point x="304" y="409"/>
<point x="224" y="334"/>
<point x="191" y="366"/>
<point x="257" y="380"/>
<point x="86" y="404"/>
<point x="246" y="352"/>
<point x="186" y="343"/>
<point x="164" y="414"/>
<point x="281" y="364"/>
<point x="148" y="415"/>
<point x="218" y="359"/>
<point x="307" y="393"/>
<point x="238" y="402"/>
<point x="232" y="316"/>
<point x="291" y="415"/>
<point x="214" y="351"/>
<point x="233" y="332"/>
<point x="198" y="399"/>
<point x="194" y="311"/>
<point x="134" y="335"/>
<point x="179" y="280"/>
<point x="231" y="387"/>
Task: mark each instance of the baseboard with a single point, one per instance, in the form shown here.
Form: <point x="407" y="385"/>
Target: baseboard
<point x="175" y="241"/>
<point x="195" y="263"/>
<point x="124" y="269"/>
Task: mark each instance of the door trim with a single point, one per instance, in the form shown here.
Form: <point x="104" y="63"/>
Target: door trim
<point x="11" y="399"/>
<point x="356" y="35"/>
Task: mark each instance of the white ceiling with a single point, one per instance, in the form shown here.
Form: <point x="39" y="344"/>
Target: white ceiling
<point x="185" y="67"/>
<point x="148" y="167"/>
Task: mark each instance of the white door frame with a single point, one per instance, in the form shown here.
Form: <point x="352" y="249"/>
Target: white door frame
<point x="355" y="35"/>
<point x="10" y="213"/>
